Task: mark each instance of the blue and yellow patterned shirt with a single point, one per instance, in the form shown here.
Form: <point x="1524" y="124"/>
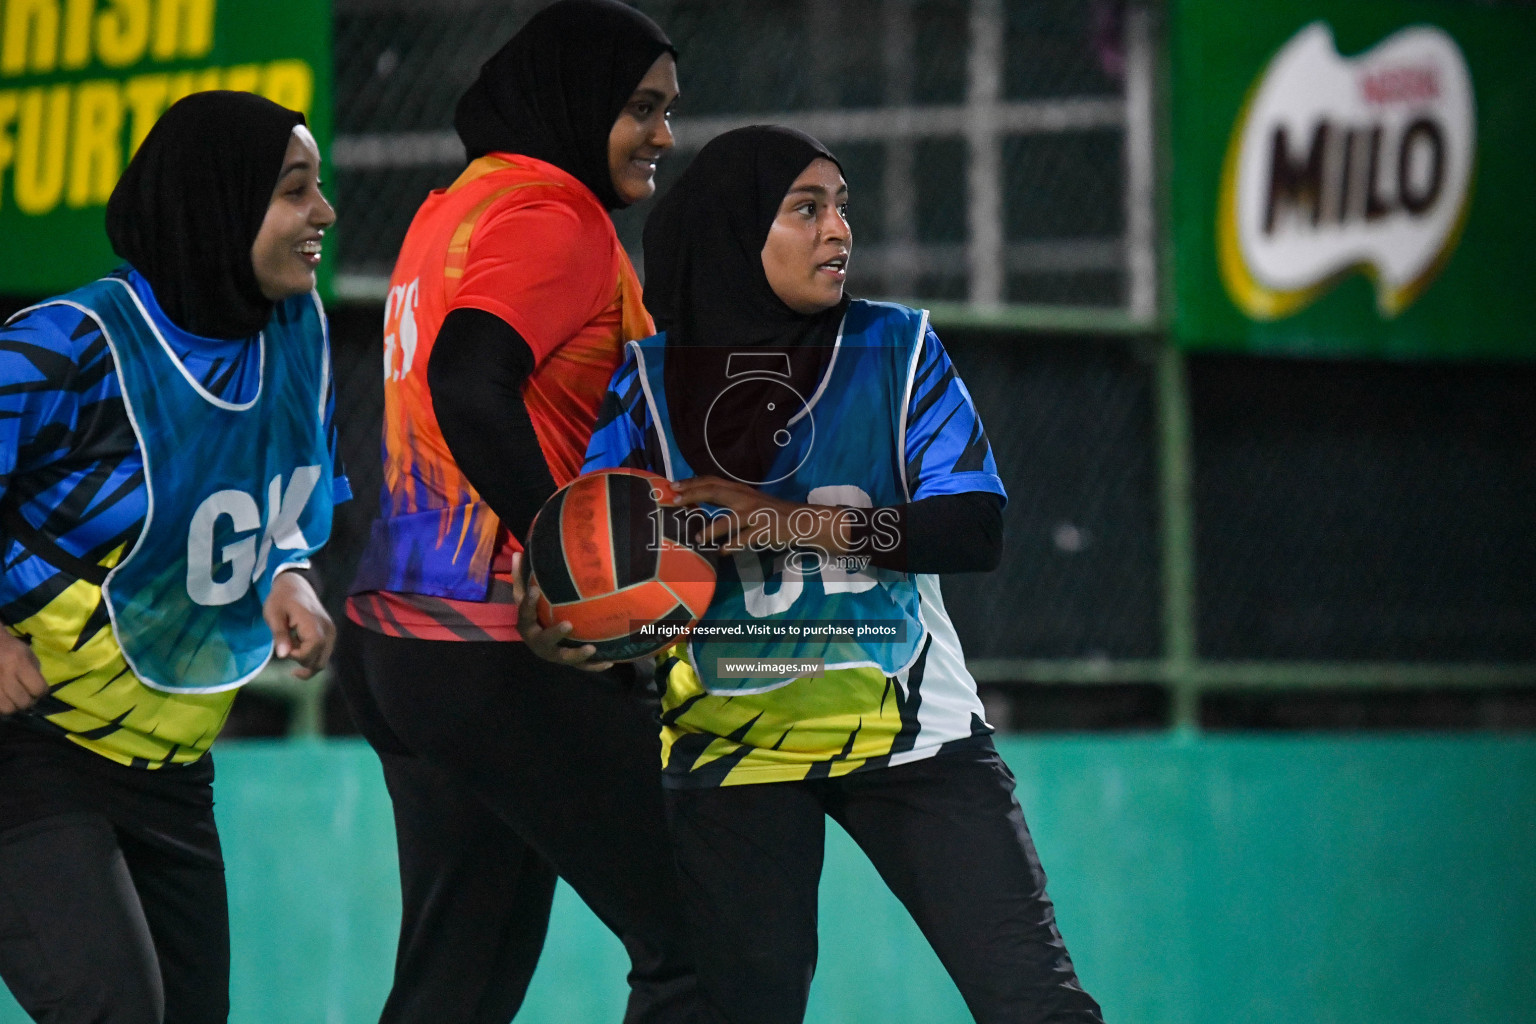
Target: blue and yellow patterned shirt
<point x="71" y="466"/>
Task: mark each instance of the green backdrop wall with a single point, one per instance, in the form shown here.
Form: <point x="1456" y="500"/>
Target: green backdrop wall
<point x="80" y="88"/>
<point x="1198" y="881"/>
<point x="1477" y="302"/>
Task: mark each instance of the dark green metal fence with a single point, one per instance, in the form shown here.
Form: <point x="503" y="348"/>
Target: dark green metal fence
<point x="1198" y="527"/>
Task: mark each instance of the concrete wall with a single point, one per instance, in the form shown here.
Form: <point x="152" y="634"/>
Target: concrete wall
<point x="1322" y="880"/>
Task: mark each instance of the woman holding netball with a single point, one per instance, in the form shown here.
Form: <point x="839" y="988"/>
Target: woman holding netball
<point x="509" y="306"/>
<point x="846" y="467"/>
<point x="165" y="457"/>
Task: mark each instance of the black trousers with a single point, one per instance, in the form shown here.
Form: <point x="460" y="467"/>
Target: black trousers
<point x="112" y="900"/>
<point x="946" y="834"/>
<point x="507" y="771"/>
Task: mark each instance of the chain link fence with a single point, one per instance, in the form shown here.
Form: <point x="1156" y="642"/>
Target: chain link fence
<point x="1217" y="540"/>
<point x="1221" y="540"/>
<point x="998" y="153"/>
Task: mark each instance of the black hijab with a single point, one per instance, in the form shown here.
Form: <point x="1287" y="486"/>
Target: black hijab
<point x="705" y="286"/>
<point x="555" y="89"/>
<point x="191" y="201"/>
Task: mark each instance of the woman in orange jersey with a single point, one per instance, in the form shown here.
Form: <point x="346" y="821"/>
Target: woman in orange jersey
<point x="508" y="309"/>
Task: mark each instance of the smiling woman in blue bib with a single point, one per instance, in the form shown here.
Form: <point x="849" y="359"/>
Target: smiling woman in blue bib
<point x="166" y="469"/>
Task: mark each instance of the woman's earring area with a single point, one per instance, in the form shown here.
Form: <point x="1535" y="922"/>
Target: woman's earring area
<point x="642" y="132"/>
<point x="288" y="247"/>
<point x="805" y="256"/>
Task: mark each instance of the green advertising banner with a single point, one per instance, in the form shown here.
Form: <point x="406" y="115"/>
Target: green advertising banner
<point x="1353" y="177"/>
<point x="82" y="81"/>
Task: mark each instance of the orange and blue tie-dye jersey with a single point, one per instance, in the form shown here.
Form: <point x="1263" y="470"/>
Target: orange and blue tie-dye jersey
<point x="523" y="240"/>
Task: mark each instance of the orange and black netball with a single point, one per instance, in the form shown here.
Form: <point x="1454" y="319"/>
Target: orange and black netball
<point x="610" y="557"/>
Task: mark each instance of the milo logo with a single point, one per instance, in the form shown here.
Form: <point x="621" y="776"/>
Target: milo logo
<point x="1342" y="164"/>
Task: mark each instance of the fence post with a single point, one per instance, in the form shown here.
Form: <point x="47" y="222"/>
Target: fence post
<point x="1175" y="476"/>
<point x="984" y="144"/>
<point x="1140" y="168"/>
<point x="897" y="55"/>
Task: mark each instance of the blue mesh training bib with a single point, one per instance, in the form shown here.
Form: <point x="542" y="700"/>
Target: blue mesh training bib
<point x="843" y="447"/>
<point x="235" y="490"/>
